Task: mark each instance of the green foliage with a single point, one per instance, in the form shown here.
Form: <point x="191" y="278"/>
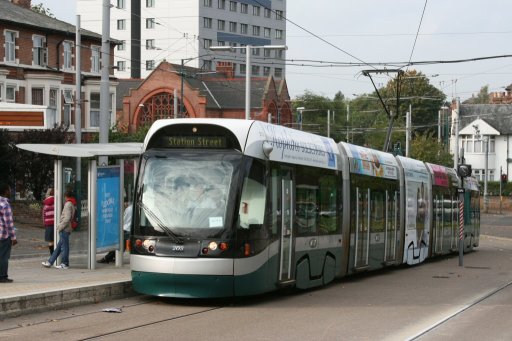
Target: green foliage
<point x="33" y="170"/>
<point x="481" y="98"/>
<point x="39" y="8"/>
<point x="425" y="147"/>
<point x="116" y="135"/>
<point x="9" y="157"/>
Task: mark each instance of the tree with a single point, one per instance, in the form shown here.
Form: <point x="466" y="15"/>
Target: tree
<point x="39" y="8"/>
<point x="8" y="154"/>
<point x="481" y="98"/>
<point x="425" y="147"/>
<point x="33" y="170"/>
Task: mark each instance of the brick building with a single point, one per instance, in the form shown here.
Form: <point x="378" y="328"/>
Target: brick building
<point x="213" y="95"/>
<point x="38" y="73"/>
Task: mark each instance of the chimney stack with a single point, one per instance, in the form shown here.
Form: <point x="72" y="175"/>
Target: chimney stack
<point x="23" y="3"/>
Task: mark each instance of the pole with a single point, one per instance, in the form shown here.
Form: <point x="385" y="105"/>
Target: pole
<point x="486" y="198"/>
<point x="408" y="131"/>
<point x="182" y="76"/>
<point x="501" y="189"/>
<point x="328" y="123"/>
<point x="439" y="127"/>
<point x="348" y="117"/>
<point x="105" y="84"/>
<point x="78" y="113"/>
<point x="456" y="149"/>
<point x="461" y="226"/>
<point x="175" y="103"/>
<point x="248" y="82"/>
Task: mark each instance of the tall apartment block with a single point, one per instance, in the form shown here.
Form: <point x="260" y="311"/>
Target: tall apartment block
<point x="181" y="31"/>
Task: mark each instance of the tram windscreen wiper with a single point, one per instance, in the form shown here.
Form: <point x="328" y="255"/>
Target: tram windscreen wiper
<point x="160" y="224"/>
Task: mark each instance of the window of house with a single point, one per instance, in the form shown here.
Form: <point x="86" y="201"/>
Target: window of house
<point x="279" y="54"/>
<point x="150" y="64"/>
<point x="232" y="26"/>
<point x="256" y="31"/>
<point x="94" y="109"/>
<point x="121" y="65"/>
<point x="266" y="32"/>
<point x="207" y="64"/>
<point x="242" y="50"/>
<point x="95" y="59"/>
<point x="150" y="44"/>
<point x="207" y="3"/>
<point x="52" y="104"/>
<point x="244" y="8"/>
<point x="279" y="15"/>
<point x="279" y="34"/>
<point x="10" y="93"/>
<point x="121" y="46"/>
<point x="266" y="53"/>
<point x="221" y="25"/>
<point x="256" y="10"/>
<point x="267" y="12"/>
<point x="68" y="96"/>
<point x="222" y="4"/>
<point x="221" y="43"/>
<point x="243" y="28"/>
<point x="255" y="52"/>
<point x="121" y="24"/>
<point x="120" y="4"/>
<point x="232" y="6"/>
<point x="150" y="23"/>
<point x="150" y="3"/>
<point x="67" y="114"/>
<point x="39" y="51"/>
<point x="1" y="92"/>
<point x="37" y="96"/>
<point x="68" y="63"/>
<point x="255" y="70"/>
<point x="207" y="43"/>
<point x="242" y="68"/>
<point x="10" y="46"/>
<point x="207" y="22"/>
<point x="266" y="71"/>
<point x="278" y="72"/>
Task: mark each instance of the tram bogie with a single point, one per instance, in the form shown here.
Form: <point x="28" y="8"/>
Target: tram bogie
<point x="236" y="208"/>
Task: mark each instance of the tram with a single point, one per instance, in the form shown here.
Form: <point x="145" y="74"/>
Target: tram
<point x="227" y="207"/>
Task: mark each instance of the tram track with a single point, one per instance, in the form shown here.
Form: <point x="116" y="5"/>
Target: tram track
<point x="458" y="312"/>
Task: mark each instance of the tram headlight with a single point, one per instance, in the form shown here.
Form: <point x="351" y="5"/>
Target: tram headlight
<point x="212" y="246"/>
<point x="149" y="245"/>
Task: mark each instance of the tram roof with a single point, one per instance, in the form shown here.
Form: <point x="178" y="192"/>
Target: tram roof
<point x="85" y="150"/>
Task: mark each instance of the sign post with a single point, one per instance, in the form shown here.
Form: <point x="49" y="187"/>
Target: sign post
<point x="460" y="191"/>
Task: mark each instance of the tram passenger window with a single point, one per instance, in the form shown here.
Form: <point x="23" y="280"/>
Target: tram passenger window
<point x="378" y="211"/>
<point x="306" y="206"/>
<point x="252" y="203"/>
<point x="328" y="204"/>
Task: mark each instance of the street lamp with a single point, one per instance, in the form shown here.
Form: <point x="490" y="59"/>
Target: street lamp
<point x="485" y="140"/>
<point x="248" y="68"/>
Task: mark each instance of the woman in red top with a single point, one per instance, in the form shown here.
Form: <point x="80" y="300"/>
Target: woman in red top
<point x="48" y="218"/>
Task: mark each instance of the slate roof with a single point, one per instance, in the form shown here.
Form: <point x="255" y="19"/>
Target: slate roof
<point x="499" y="116"/>
<point x="17" y="15"/>
<point x="123" y="89"/>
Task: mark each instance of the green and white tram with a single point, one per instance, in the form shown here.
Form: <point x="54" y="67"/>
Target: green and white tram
<point x="237" y="207"/>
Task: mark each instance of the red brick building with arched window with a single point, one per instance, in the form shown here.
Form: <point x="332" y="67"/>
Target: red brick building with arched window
<point x="208" y="95"/>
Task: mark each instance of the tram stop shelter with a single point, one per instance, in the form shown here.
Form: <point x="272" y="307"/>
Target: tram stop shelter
<point x="101" y="195"/>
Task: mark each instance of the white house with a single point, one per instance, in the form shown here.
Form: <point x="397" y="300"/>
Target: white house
<point x="481" y="125"/>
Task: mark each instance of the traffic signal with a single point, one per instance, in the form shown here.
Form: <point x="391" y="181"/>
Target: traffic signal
<point x="504" y="178"/>
<point x="464" y="170"/>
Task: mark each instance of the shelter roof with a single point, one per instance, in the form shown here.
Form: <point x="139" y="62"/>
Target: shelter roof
<point x="85" y="150"/>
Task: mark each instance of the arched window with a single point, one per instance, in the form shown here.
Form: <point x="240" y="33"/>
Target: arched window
<point x="157" y="107"/>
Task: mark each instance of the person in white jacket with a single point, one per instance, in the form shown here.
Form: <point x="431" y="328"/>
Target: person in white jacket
<point x="65" y="229"/>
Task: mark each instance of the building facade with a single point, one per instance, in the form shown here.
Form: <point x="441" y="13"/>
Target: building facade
<point x="218" y="95"/>
<point x="182" y="31"/>
<point x="38" y="71"/>
<point x="485" y="136"/>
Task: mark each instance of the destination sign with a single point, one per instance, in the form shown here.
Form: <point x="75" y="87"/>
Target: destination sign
<point x="213" y="142"/>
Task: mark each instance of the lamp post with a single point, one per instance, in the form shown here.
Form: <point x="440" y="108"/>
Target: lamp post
<point x="248" y="49"/>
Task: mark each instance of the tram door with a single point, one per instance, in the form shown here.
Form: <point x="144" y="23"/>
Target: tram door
<point x="286" y="188"/>
<point x="362" y="230"/>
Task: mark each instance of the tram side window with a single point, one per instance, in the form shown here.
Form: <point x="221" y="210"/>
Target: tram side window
<point x="328" y="204"/>
<point x="306" y="204"/>
<point x="378" y="211"/>
<point x="252" y="204"/>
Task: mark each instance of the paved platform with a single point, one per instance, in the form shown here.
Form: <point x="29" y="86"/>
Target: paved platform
<point x="36" y="288"/>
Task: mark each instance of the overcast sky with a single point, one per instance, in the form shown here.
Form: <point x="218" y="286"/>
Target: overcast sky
<point x="377" y="31"/>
